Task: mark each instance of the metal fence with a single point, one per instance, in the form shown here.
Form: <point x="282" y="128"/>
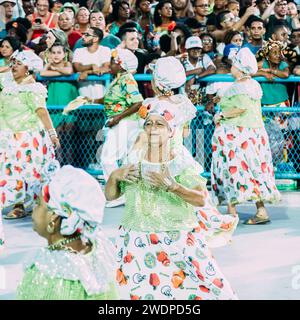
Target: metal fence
<point x="81" y="135"/>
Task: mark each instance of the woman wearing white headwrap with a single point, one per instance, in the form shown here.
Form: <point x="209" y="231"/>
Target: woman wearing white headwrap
<point x="162" y="249"/>
<point x="25" y="144"/>
<point x="79" y="261"/>
<point x="168" y="77"/>
<point x="242" y="167"/>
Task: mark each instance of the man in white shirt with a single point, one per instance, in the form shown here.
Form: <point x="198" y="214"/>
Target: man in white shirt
<point x="92" y="59"/>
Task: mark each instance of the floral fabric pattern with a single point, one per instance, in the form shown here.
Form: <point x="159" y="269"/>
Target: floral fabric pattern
<point x="22" y="158"/>
<point x="242" y="168"/>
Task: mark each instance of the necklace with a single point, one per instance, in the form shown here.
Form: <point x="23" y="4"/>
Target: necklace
<point x="243" y="77"/>
<point x="61" y="244"/>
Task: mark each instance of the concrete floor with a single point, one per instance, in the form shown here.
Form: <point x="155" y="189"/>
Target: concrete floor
<point x="263" y="262"/>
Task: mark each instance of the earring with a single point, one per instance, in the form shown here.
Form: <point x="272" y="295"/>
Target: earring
<point x="50" y="227"/>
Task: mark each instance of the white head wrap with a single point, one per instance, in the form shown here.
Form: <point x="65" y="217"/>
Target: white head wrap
<point x="78" y="198"/>
<point x="29" y="59"/>
<point x="126" y="59"/>
<point x="168" y="74"/>
<point x="177" y="111"/>
<point x="245" y="61"/>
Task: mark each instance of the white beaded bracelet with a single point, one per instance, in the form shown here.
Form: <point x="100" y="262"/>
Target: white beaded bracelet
<point x="52" y="133"/>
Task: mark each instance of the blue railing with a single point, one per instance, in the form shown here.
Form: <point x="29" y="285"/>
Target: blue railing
<point x="199" y="146"/>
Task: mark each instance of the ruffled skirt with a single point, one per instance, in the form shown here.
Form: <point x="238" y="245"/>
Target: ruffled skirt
<point x="242" y="168"/>
<point x="22" y="158"/>
<point x="217" y="228"/>
<point x="168" y="265"/>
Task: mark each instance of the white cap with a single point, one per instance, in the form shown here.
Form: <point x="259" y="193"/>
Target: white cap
<point x="193" y="42"/>
<point x="11" y="1"/>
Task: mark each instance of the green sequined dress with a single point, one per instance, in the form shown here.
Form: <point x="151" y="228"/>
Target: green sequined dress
<point x="63" y="275"/>
<point x="162" y="251"/>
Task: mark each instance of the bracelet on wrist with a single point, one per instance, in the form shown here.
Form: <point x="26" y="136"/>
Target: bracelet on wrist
<point x="52" y="133"/>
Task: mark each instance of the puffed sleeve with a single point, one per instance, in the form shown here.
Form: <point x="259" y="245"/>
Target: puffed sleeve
<point x="36" y="99"/>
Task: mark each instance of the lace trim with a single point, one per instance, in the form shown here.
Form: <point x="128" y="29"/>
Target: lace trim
<point x="250" y="88"/>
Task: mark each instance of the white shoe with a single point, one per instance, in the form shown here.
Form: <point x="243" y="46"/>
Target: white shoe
<point x="115" y="203"/>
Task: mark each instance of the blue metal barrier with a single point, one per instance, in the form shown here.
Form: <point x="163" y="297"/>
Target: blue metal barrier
<point x="81" y="137"/>
<point x="148" y="77"/>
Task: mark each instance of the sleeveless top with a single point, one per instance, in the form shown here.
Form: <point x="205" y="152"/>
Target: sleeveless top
<point x="50" y="23"/>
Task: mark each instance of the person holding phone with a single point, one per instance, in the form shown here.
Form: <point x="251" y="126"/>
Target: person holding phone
<point x="27" y="134"/>
<point x="42" y="20"/>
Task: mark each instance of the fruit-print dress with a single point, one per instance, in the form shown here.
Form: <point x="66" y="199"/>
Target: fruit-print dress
<point x="242" y="168"/>
<point x="162" y="252"/>
<point x="25" y="146"/>
<point x="218" y="228"/>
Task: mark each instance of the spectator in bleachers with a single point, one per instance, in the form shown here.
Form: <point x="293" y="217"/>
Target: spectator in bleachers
<point x="58" y="65"/>
<point x="262" y="5"/>
<point x="183" y="9"/>
<point x="195" y="26"/>
<point x="234" y="7"/>
<point x="231" y="37"/>
<point x="122" y="102"/>
<point x="92" y="59"/>
<point x="7" y="47"/>
<point x="280" y="9"/>
<point x="19" y="30"/>
<point x="295" y="40"/>
<point x="209" y="45"/>
<point x="144" y="16"/>
<point x="7" y="8"/>
<point x="164" y="15"/>
<point x="119" y="16"/>
<point x="97" y="20"/>
<point x="28" y="7"/>
<point x="42" y="20"/>
<point x="219" y="6"/>
<point x="55" y="35"/>
<point x="57" y="5"/>
<point x="71" y="8"/>
<point x="273" y="65"/>
<point x="256" y="31"/>
<point x="179" y="35"/>
<point x="130" y="40"/>
<point x="82" y="20"/>
<point x="226" y="21"/>
<point x="197" y="65"/>
<point x="201" y="10"/>
<point x="281" y="34"/>
<point x="66" y="24"/>
<point x="293" y="13"/>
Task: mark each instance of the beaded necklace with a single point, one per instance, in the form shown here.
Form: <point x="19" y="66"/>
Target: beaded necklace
<point x="61" y="244"/>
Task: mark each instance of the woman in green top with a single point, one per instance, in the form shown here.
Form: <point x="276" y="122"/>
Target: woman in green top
<point x="242" y="168"/>
<point x="78" y="262"/>
<point x="162" y="253"/>
<point x="27" y="135"/>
